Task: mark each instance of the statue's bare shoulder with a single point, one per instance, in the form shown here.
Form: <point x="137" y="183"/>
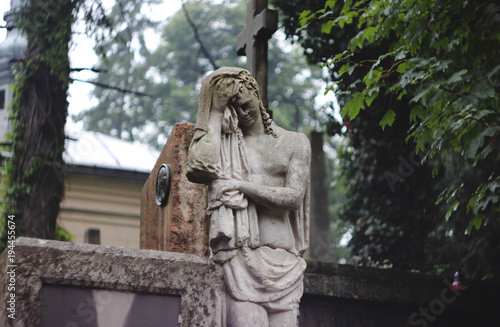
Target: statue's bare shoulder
<point x="297" y="143"/>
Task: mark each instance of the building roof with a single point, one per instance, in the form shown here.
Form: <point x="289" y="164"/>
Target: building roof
<point x="94" y="149"/>
<point x="12" y="48"/>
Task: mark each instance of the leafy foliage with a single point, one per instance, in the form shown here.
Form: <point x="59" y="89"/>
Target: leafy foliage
<point x="443" y="57"/>
<point x="391" y="64"/>
<point x="126" y="55"/>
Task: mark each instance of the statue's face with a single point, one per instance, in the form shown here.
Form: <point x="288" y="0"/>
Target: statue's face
<point x="247" y="107"/>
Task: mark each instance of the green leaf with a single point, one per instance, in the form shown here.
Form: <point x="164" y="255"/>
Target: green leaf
<point x="339" y="56"/>
<point x="357" y="41"/>
<point x="370" y="33"/>
<point x="493" y="71"/>
<point x="401" y="55"/>
<point x="420" y="94"/>
<point x="451" y="209"/>
<point x="372" y="77"/>
<point x="472" y="202"/>
<point x="483" y="90"/>
<point x="475" y="222"/>
<point x="304" y="17"/>
<point x="457" y="76"/>
<point x="388" y="118"/>
<point x="343" y="69"/>
<point x="330" y="4"/>
<point x="353" y="107"/>
<point x="371" y="95"/>
<point x="417" y="111"/>
<point x="347" y="6"/>
<point x="329" y="89"/>
<point x="326" y="28"/>
<point x="478" y="141"/>
<point x="403" y="67"/>
<point x="487" y="150"/>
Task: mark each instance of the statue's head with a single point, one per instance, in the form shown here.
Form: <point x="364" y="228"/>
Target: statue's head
<point x="243" y="95"/>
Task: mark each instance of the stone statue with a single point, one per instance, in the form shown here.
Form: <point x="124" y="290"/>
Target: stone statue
<point x="258" y="175"/>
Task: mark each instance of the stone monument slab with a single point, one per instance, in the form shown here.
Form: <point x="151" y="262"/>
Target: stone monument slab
<point x="181" y="224"/>
<point x="65" y="306"/>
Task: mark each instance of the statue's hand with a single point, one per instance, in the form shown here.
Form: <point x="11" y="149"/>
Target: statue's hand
<point x="221" y="95"/>
<point x="219" y="186"/>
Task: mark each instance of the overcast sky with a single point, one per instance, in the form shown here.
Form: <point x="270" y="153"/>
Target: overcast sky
<point x="82" y="54"/>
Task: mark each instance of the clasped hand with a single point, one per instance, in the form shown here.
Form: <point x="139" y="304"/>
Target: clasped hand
<point x="219" y="186"/>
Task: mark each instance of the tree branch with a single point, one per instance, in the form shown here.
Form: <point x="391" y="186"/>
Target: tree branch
<point x="113" y="88"/>
<point x="441" y="87"/>
<point x="95" y="70"/>
<point x="197" y="37"/>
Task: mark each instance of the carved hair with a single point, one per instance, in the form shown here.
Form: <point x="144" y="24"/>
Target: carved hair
<point x="244" y="78"/>
<point x="251" y="84"/>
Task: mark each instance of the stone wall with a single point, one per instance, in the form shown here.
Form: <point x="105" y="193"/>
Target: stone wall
<point x="349" y="296"/>
<point x="334" y="295"/>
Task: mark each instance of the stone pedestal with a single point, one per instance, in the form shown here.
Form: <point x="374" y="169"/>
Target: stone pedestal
<point x="105" y="286"/>
<point x="181" y="225"/>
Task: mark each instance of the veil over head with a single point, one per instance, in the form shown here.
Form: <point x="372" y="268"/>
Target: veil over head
<point x="208" y="85"/>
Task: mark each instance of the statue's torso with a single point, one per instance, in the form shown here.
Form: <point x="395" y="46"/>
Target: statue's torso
<point x="269" y="159"/>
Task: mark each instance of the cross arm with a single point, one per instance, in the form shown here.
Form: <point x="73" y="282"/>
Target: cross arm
<point x="263" y="26"/>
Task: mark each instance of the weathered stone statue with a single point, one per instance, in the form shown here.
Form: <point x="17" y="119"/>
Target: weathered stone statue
<point x="258" y="177"/>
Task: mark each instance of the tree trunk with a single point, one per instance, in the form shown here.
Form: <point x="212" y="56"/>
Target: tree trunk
<point x="35" y="180"/>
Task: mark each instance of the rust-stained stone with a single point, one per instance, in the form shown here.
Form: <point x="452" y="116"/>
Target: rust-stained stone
<point x="181" y="225"/>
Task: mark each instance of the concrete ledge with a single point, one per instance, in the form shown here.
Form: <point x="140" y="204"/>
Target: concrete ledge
<point x="362" y="296"/>
<point x="334" y="295"/>
<point x="42" y="262"/>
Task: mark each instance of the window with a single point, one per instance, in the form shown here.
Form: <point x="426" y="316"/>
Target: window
<point x="93" y="236"/>
<point x="2" y="99"/>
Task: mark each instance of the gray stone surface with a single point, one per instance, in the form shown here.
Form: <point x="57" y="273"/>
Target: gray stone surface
<point x="40" y="262"/>
<point x="334" y="295"/>
<point x="261" y="23"/>
<point x="351" y="296"/>
<point x="258" y="175"/>
<point x="65" y="306"/>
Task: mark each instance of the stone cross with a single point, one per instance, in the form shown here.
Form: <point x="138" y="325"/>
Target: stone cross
<point x="252" y="41"/>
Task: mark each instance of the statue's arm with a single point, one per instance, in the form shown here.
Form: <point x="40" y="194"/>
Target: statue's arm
<point x="203" y="163"/>
<point x="289" y="197"/>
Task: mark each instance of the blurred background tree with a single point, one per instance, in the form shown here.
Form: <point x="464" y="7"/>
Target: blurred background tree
<point x="170" y="74"/>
